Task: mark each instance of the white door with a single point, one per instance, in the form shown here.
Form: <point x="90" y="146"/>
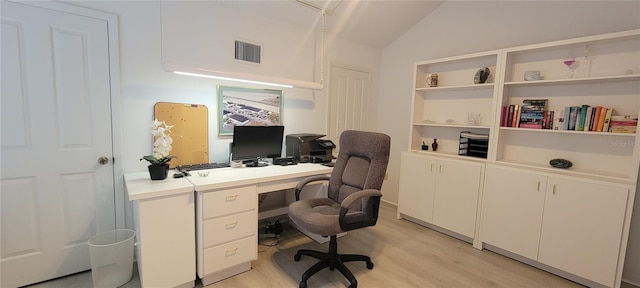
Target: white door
<point x="349" y="101"/>
<point x="55" y="124"/>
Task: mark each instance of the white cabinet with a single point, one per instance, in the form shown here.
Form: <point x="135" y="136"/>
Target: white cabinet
<point x="417" y="186"/>
<point x="582" y="228"/>
<point x="442" y="192"/>
<point x="572" y="224"/>
<point x="163" y="213"/>
<point x="226" y="222"/>
<point x="512" y="210"/>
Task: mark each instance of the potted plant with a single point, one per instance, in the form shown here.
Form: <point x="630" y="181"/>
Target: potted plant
<point x="159" y="168"/>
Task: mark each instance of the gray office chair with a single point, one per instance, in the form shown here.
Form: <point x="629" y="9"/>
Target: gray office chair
<point x="352" y="203"/>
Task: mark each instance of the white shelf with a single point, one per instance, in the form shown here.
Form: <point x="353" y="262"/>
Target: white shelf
<point x="576" y="81"/>
<point x="603" y="134"/>
<point x="451" y="125"/>
<point x="450" y="155"/>
<point x="459" y="87"/>
<point x="591" y="174"/>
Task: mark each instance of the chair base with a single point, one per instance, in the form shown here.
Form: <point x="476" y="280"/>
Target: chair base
<point x="332" y="260"/>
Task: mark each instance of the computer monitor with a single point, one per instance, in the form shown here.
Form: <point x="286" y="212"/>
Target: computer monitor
<point x="250" y="143"/>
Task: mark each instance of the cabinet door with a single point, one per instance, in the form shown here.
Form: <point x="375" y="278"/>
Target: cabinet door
<point x="512" y="210"/>
<point x="582" y="228"/>
<point x="456" y="197"/>
<point x="417" y="180"/>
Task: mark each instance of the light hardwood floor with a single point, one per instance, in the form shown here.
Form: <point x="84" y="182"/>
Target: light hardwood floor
<point x="405" y="255"/>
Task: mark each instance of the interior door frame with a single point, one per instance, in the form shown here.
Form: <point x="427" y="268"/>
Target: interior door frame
<point x="114" y="85"/>
<point x="370" y="103"/>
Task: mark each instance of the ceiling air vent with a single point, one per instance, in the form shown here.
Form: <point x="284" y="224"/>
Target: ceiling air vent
<point x="248" y="52"/>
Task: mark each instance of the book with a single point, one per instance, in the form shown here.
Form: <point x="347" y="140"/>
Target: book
<point x="595" y="118"/>
<point x="548" y="122"/>
<point x="532" y="113"/>
<point x="582" y="117"/>
<point x="607" y="120"/>
<point x="516" y="116"/>
<point x="587" y="119"/>
<point x="603" y="115"/>
<point x="531" y="125"/>
<point x="558" y="120"/>
<point x="514" y="119"/>
<point x="510" y="115"/>
<point x="531" y="117"/>
<point x="623" y="124"/>
<point x="505" y="116"/>
<point x="565" y="123"/>
<point x="573" y="116"/>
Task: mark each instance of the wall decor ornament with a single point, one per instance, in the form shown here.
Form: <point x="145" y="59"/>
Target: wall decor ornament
<point x="482" y="75"/>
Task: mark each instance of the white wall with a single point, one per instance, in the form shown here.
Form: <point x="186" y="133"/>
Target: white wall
<point x="461" y="27"/>
<point x="202" y="33"/>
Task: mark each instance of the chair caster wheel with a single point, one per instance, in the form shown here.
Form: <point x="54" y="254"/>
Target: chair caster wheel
<point x="369" y="265"/>
<point x="303" y="284"/>
<point x="297" y="258"/>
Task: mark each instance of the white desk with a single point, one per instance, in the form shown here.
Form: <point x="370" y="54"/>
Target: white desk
<point x="222" y="239"/>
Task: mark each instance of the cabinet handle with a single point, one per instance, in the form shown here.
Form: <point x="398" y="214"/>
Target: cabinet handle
<point x="231" y="225"/>
<point x="538" y="186"/>
<point x="554" y="189"/>
<point x="231" y="252"/>
<point x="231" y="197"/>
<point x="440" y="168"/>
<point x="431" y="167"/>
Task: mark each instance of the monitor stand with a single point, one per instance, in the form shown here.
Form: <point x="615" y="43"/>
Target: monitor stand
<point x="255" y="163"/>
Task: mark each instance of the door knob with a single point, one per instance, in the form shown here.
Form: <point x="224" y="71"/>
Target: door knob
<point x="103" y="160"/>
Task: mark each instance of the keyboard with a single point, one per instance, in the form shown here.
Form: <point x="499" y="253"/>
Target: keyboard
<point x="203" y="166"/>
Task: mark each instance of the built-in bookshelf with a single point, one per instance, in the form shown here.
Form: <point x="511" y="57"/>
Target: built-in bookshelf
<point x="606" y="74"/>
<point x="515" y="191"/>
<point x="457" y="104"/>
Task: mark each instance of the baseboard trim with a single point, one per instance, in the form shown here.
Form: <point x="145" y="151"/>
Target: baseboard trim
<point x="632" y="283"/>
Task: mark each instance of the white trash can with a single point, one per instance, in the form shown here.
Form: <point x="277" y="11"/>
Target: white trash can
<point x="112" y="257"/>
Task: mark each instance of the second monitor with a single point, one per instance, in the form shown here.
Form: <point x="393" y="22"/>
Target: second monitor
<point x="251" y="143"/>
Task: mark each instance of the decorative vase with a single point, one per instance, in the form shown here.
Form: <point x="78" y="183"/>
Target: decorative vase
<point x="158" y="172"/>
<point x="434" y="145"/>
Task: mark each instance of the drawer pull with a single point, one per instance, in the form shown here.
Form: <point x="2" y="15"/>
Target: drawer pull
<point x="231" y="225"/>
<point x="231" y="252"/>
<point x="231" y="197"/>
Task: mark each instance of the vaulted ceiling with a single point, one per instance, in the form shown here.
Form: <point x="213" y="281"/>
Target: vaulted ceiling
<point x="376" y="23"/>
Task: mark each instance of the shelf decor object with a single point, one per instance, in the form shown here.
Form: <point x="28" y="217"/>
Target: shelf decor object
<point x="560" y="163"/>
<point x="482" y="75"/>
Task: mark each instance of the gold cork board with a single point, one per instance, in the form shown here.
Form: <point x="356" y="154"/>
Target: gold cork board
<point x="189" y="133"/>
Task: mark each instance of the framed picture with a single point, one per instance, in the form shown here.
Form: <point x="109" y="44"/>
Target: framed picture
<point x="247" y="107"/>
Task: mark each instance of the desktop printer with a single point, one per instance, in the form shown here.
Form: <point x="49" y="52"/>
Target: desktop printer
<point x="309" y="148"/>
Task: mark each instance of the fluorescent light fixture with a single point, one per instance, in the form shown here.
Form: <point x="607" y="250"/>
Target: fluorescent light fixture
<point x="241" y="77"/>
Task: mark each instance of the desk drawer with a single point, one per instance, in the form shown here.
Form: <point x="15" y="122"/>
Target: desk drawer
<point x="229" y="201"/>
<point x="227" y="228"/>
<point x="227" y="255"/>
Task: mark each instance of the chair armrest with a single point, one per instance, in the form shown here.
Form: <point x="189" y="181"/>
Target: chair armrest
<point x="359" y="219"/>
<point x="347" y="202"/>
<point x="308" y="180"/>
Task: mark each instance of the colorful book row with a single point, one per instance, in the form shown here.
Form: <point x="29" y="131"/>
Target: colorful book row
<point x="532" y="114"/>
